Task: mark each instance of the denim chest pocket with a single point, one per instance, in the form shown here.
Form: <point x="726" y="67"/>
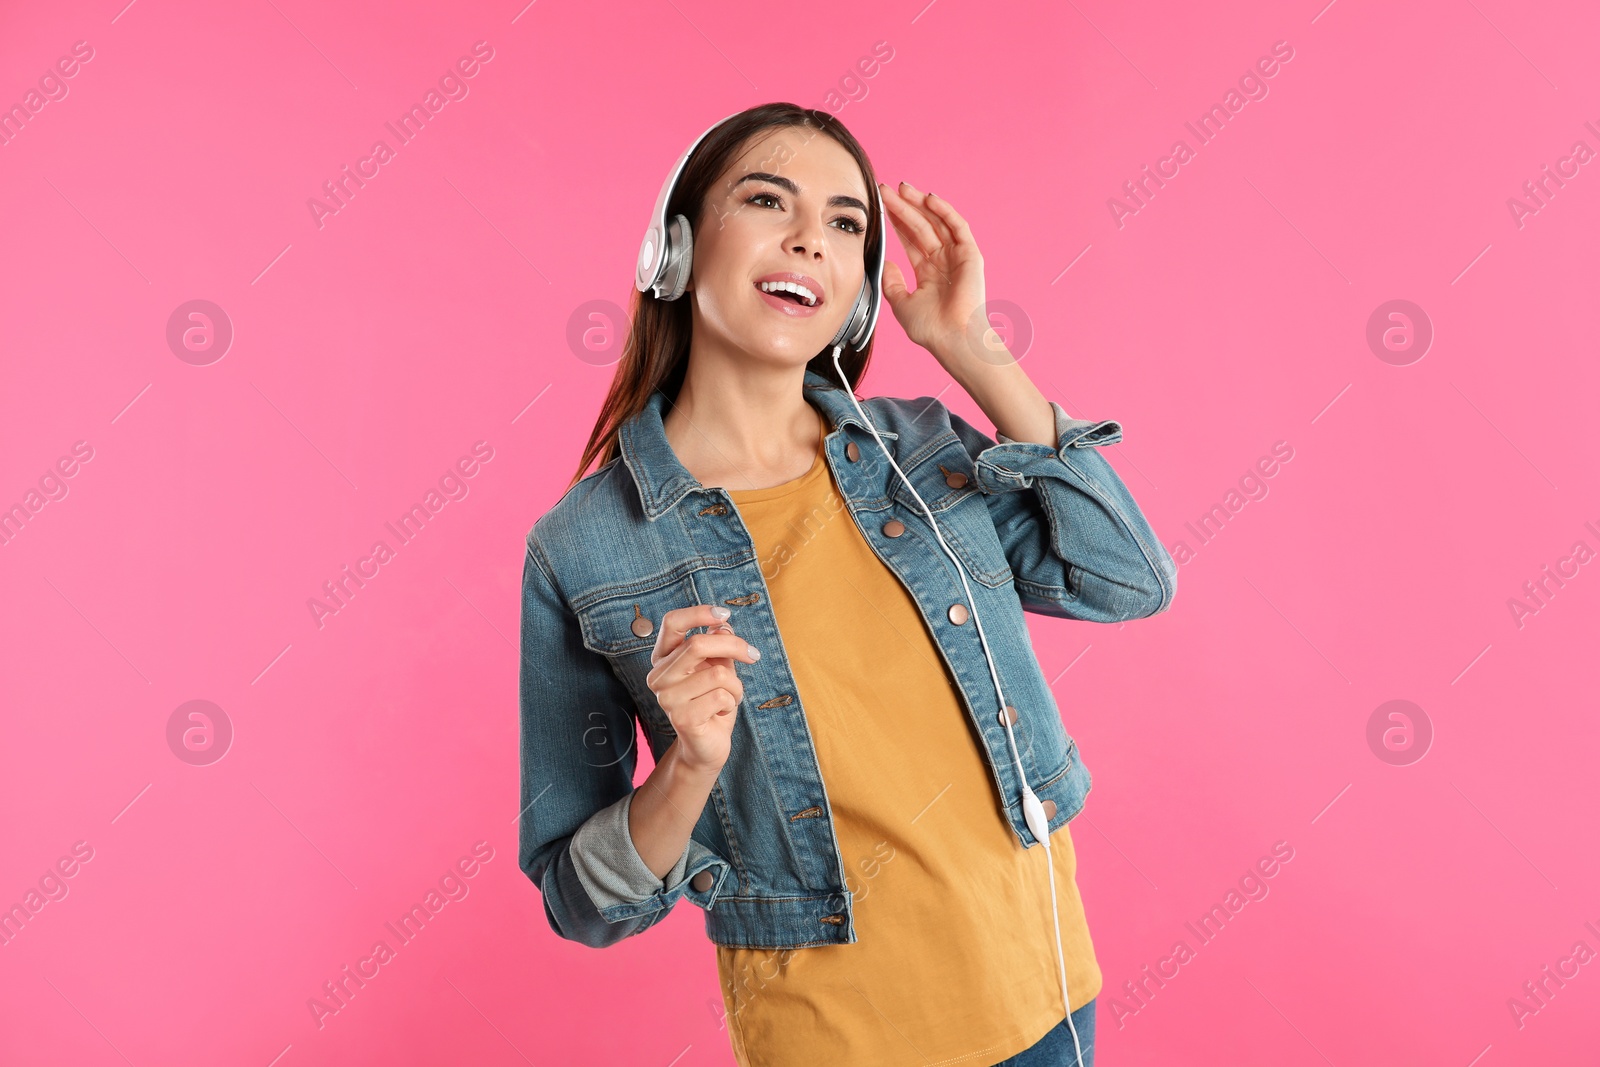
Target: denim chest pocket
<point x="946" y="481"/>
<point x="624" y="626"/>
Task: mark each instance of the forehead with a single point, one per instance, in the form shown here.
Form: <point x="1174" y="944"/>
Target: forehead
<point x="812" y="159"/>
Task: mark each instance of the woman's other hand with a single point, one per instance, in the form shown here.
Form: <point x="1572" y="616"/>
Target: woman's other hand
<point x="694" y="681"/>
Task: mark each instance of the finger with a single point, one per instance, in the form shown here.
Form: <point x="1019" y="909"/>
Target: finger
<point x="908" y="217"/>
<point x="694" y="653"/>
<point x="713" y="704"/>
<point x="908" y="243"/>
<point x="723" y="660"/>
<point x="698" y="649"/>
<point x="922" y="202"/>
<point x="894" y="283"/>
<point x="960" y="232"/>
<point x="705" y="681"/>
<point x="676" y="624"/>
<point x="917" y="237"/>
<point x="917" y="215"/>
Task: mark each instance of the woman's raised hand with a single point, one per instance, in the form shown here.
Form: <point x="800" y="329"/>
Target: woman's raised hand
<point x="694" y="681"/>
<point x="943" y="313"/>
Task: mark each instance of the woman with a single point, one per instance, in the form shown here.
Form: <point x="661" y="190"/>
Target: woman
<point x="751" y="573"/>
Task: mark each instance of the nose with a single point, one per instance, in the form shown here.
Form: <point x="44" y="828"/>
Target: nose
<point x="807" y="238"/>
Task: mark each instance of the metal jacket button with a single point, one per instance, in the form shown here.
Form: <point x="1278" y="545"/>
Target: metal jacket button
<point x="955" y="479"/>
<point x="702" y="881"/>
<point x="958" y="613"/>
<point x="851" y="452"/>
<point x="1049" y="809"/>
<point x="1008" y="715"/>
<point x="642" y="627"/>
<point x="894" y="528"/>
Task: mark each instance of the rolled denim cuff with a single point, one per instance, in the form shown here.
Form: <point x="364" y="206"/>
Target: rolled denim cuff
<point x="1075" y="433"/>
<point x="609" y="865"/>
<point x="1012" y="465"/>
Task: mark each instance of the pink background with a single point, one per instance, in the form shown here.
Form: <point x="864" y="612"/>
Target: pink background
<point x="372" y="752"/>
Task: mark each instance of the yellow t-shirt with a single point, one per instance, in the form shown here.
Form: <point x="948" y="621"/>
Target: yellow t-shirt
<point x="955" y="962"/>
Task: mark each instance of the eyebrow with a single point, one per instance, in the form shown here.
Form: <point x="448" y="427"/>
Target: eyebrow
<point x="785" y="183"/>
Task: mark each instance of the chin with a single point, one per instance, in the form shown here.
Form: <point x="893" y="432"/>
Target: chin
<point x="789" y="355"/>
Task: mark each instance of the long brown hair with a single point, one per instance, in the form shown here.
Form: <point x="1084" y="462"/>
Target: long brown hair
<point x="656" y="353"/>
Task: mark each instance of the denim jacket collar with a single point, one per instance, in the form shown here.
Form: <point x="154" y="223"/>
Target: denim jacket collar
<point x="663" y="480"/>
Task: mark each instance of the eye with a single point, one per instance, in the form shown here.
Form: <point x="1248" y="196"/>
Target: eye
<point x="856" y="227"/>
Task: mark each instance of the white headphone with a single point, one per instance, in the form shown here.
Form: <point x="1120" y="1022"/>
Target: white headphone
<point x="665" y="257"/>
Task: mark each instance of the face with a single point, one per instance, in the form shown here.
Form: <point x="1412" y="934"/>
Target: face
<point x="790" y="208"/>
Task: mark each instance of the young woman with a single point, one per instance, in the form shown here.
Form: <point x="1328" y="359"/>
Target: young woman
<point x="856" y="752"/>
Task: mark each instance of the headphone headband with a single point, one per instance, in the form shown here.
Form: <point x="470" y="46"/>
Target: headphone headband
<point x="667" y="252"/>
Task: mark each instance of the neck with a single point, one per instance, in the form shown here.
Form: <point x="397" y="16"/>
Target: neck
<point x="739" y="424"/>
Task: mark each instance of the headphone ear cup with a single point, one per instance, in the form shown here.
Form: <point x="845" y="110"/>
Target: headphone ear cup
<point x="863" y="320"/>
<point x="678" y="258"/>
<point x="850" y="332"/>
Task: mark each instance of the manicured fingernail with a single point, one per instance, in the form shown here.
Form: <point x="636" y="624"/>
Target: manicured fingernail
<point x="721" y="612"/>
<point x="755" y="653"/>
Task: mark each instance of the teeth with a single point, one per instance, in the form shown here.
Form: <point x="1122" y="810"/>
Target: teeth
<point x="791" y="287"/>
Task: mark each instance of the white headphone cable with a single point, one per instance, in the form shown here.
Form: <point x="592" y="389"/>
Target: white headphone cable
<point x="1033" y="810"/>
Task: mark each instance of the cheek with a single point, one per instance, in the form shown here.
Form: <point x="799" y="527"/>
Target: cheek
<point x="845" y="293"/>
<point x="721" y="291"/>
<point x="723" y="259"/>
<point x="721" y="306"/>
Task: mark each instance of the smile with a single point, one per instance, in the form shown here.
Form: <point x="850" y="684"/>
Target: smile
<point x="806" y="296"/>
<point x="793" y="294"/>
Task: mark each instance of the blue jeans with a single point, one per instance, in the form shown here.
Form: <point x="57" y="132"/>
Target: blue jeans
<point x="1055" y="1048"/>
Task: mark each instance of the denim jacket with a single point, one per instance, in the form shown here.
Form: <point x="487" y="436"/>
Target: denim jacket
<point x="1048" y="530"/>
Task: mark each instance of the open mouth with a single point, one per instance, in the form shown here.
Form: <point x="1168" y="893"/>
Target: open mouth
<point x="793" y="292"/>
